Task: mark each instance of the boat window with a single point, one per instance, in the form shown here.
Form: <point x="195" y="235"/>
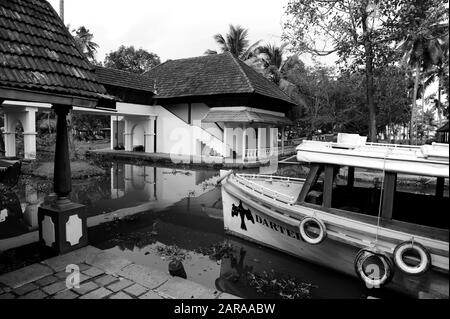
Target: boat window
<point x="421" y="200"/>
<point x="357" y="190"/>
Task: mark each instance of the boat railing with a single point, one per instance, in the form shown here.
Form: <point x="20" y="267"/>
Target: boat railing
<point x="272" y="177"/>
<point x="265" y="190"/>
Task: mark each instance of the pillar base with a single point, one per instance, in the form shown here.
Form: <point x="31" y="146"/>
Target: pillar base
<point x="62" y="226"/>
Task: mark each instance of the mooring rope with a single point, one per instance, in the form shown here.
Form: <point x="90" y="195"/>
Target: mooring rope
<point x="380" y="206"/>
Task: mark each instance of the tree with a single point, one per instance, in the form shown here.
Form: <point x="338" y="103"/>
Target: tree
<point x="132" y="60"/>
<point x="84" y="41"/>
<point x="236" y="42"/>
<point x="425" y="25"/>
<point x="359" y="32"/>
<point x="269" y="60"/>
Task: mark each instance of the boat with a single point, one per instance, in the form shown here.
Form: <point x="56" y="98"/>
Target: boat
<point x="360" y="210"/>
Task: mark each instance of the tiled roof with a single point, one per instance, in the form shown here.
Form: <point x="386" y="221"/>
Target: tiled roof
<point x="37" y="53"/>
<point x="123" y="79"/>
<point x="245" y="115"/>
<point x="215" y="74"/>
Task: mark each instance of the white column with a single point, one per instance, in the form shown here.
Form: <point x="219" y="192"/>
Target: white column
<point x="150" y="136"/>
<point x="128" y="135"/>
<point x="262" y="143"/>
<point x="10" y="134"/>
<point x="282" y="140"/>
<point x="244" y="144"/>
<point x="113" y="132"/>
<point x="29" y="132"/>
<point x="274" y="141"/>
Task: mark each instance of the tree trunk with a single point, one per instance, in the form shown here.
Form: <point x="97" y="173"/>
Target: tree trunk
<point x="438" y="105"/>
<point x="414" y="103"/>
<point x="368" y="50"/>
<point x="61" y="10"/>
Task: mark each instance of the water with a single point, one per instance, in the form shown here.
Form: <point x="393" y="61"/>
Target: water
<point x="150" y="215"/>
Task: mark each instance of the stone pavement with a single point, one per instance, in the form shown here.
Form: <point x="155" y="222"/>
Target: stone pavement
<point x="102" y="276"/>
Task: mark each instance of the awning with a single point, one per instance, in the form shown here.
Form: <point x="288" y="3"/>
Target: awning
<point x="245" y="115"/>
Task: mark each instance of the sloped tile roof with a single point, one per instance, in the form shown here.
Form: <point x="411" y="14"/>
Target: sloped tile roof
<point x="244" y="115"/>
<point x="215" y="74"/>
<point x="123" y="79"/>
<point x="37" y="53"/>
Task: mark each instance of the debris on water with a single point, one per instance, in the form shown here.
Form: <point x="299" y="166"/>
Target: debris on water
<point x="286" y="288"/>
<point x="147" y="253"/>
<point x="217" y="251"/>
<point x="172" y="252"/>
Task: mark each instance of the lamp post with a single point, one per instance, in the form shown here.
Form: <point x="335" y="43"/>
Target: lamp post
<point x="62" y="223"/>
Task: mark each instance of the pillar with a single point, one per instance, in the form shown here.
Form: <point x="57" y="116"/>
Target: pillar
<point x="128" y="135"/>
<point x="150" y="136"/>
<point x="113" y="132"/>
<point x="9" y="135"/>
<point x="282" y="139"/>
<point x="244" y="144"/>
<point x="62" y="223"/>
<point x="273" y="141"/>
<point x="29" y="133"/>
<point x="261" y="143"/>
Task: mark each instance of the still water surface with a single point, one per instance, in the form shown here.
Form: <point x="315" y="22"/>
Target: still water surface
<point x="151" y="215"/>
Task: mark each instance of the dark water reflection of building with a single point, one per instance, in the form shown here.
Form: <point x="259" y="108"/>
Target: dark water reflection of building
<point x="124" y="190"/>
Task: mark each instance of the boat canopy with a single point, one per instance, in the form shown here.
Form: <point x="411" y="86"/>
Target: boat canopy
<point x="426" y="160"/>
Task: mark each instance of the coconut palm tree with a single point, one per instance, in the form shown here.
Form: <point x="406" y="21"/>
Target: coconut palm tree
<point x="421" y="51"/>
<point x="236" y="42"/>
<point x="83" y="39"/>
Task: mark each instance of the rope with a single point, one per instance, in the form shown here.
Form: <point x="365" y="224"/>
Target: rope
<point x="381" y="196"/>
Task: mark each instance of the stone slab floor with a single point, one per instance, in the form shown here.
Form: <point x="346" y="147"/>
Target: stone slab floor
<point x="102" y="276"/>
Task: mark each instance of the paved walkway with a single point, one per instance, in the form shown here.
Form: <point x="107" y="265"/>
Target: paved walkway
<point x="102" y="276"/>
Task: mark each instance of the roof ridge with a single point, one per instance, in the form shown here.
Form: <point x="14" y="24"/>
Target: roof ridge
<point x="117" y="70"/>
<point x="241" y="70"/>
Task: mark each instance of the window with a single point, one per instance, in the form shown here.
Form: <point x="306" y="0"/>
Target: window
<point x="422" y="200"/>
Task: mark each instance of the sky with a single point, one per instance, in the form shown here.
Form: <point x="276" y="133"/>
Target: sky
<point x="172" y="29"/>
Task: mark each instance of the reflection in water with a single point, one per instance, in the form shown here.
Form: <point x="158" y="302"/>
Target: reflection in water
<point x="139" y="211"/>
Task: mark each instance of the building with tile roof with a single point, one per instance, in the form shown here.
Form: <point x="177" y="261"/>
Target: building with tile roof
<point x="218" y="79"/>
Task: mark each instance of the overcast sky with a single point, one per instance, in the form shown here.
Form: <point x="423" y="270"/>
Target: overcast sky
<point x="172" y="28"/>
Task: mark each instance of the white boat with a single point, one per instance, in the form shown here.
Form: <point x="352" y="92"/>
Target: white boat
<point x="388" y="235"/>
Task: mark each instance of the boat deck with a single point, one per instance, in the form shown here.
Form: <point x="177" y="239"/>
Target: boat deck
<point x="287" y="188"/>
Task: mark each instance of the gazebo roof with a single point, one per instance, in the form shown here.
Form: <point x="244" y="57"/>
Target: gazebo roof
<point x="39" y="59"/>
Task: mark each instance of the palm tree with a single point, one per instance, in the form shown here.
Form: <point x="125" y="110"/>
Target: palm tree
<point x="236" y="42"/>
<point x="422" y="51"/>
<point x="61" y="10"/>
<point x="84" y="42"/>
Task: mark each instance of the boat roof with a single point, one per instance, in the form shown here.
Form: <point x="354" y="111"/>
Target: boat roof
<point x="426" y="160"/>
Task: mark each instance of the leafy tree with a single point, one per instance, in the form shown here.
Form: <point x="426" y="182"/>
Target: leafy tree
<point x="84" y="40"/>
<point x="359" y="32"/>
<point x="236" y="42"/>
<point x="132" y="60"/>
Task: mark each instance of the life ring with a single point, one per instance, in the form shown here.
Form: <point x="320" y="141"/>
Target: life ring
<point x="421" y="267"/>
<point x="319" y="224"/>
<point x="375" y="273"/>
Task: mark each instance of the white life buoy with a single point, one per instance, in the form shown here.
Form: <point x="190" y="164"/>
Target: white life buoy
<point x="424" y="258"/>
<point x="316" y="223"/>
<point x="374" y="268"/>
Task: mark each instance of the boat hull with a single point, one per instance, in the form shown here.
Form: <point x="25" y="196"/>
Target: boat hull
<point x="243" y="218"/>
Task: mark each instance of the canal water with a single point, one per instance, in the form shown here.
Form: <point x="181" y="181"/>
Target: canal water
<point x="155" y="216"/>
